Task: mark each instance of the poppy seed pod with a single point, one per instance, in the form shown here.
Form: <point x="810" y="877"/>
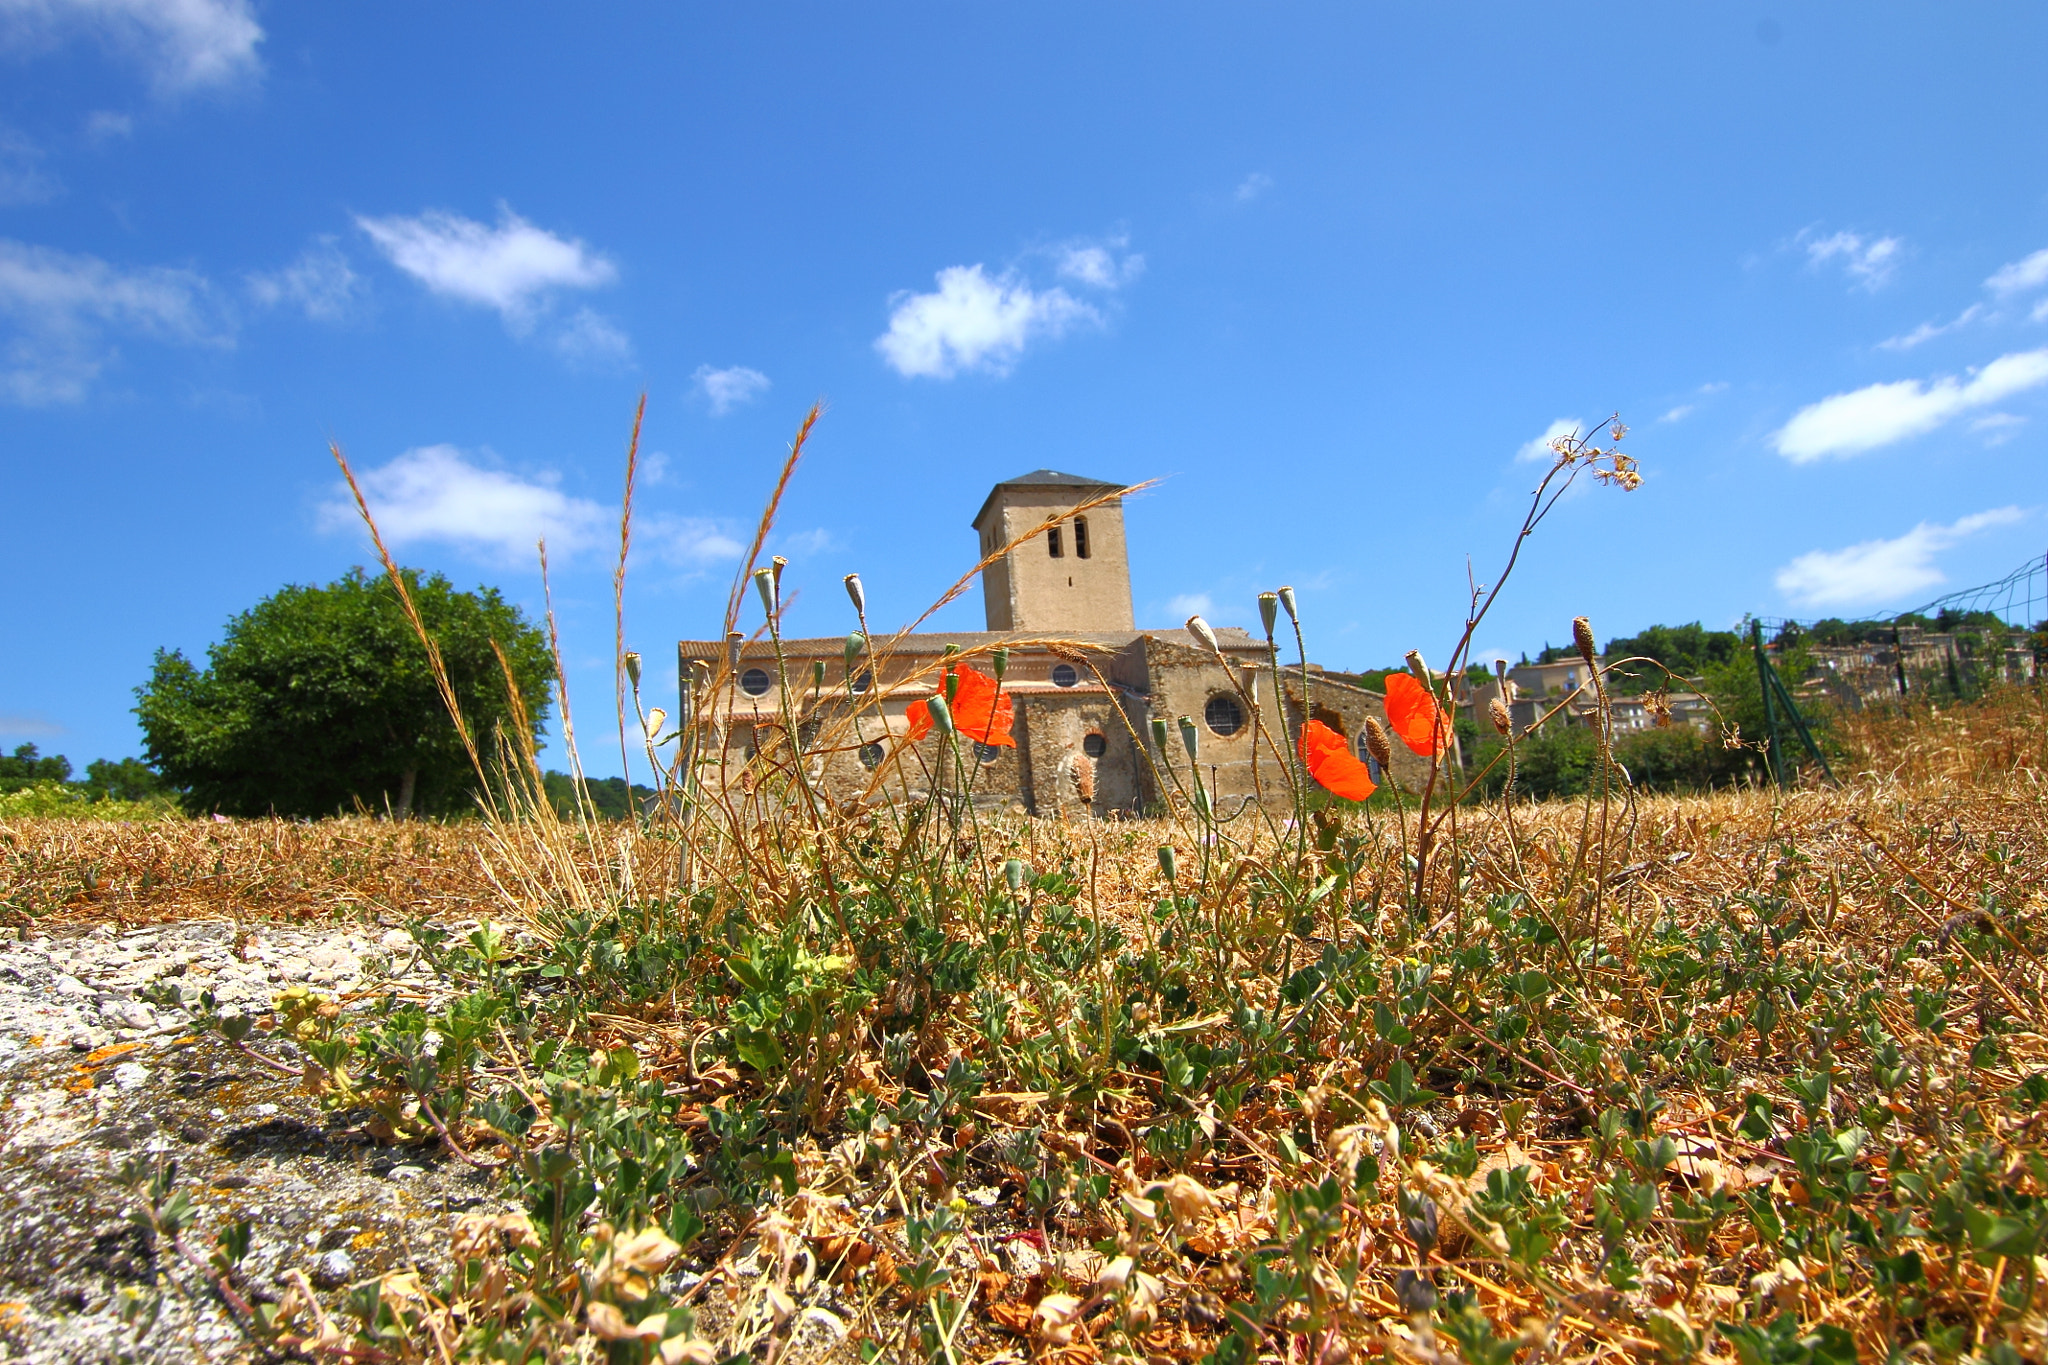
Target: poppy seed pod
<point x="855" y="643"/>
<point x="1190" y="739"/>
<point x="778" y="564"/>
<point x="1167" y="863"/>
<point x="1159" y="734"/>
<point x="942" y="714"/>
<point x="952" y="685"/>
<point x="655" y="718"/>
<point x="1378" y="745"/>
<point x="817" y="672"/>
<point x="1000" y="662"/>
<point x="1286" y="596"/>
<point x="733" y="640"/>
<point x="1199" y="628"/>
<point x="764" y="582"/>
<point x="1417" y="667"/>
<point x="856" y="592"/>
<point x="633" y="667"/>
<point x="1582" y="636"/>
<point x="1269" y="612"/>
<point x="1498" y="710"/>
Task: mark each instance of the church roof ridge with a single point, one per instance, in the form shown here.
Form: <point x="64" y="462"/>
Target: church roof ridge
<point x="1039" y="478"/>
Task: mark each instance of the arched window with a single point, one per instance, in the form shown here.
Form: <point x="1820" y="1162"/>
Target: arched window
<point x="1052" y="542"/>
<point x="1093" y="745"/>
<point x="754" y="682"/>
<point x="1063" y="675"/>
<point x="863" y="680"/>
<point x="1223" y="714"/>
<point x="1080" y="537"/>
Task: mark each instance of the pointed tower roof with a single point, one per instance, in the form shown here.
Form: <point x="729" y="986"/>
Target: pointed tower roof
<point x="1040" y="478"/>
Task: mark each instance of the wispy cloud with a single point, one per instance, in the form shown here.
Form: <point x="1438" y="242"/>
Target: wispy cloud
<point x="1927" y="331"/>
<point x="1252" y="186"/>
<point x="61" y="311"/>
<point x="1100" y="265"/>
<point x="688" y="542"/>
<point x="1998" y="427"/>
<point x="1188" y="604"/>
<point x="183" y="44"/>
<point x="1868" y="261"/>
<point x="438" y="494"/>
<point x="22" y="177"/>
<point x="513" y="267"/>
<point x="1882" y="414"/>
<point x="2016" y="277"/>
<point x="975" y="321"/>
<point x="16" y="726"/>
<point x="104" y="125"/>
<point x="320" y="283"/>
<point x="1540" y="447"/>
<point x="590" y="338"/>
<point x="729" y="388"/>
<point x="1882" y="570"/>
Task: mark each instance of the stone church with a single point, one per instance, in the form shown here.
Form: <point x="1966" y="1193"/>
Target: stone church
<point x="1085" y="683"/>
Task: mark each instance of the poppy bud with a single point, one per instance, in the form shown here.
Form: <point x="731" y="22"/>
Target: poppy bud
<point x="854" y="591"/>
<point x="1199" y="628"/>
<point x="1269" y="612"/>
<point x="1286" y="596"/>
<point x="952" y="685"/>
<point x="942" y="714"/>
<point x="1013" y="873"/>
<point x="855" y="643"/>
<point x="1159" y="734"/>
<point x="633" y="667"/>
<point x="1167" y="863"/>
<point x="1190" y="739"/>
<point x="817" y="672"/>
<point x="764" y="581"/>
<point x="1000" y="662"/>
<point x="1377" y="744"/>
<point x="1498" y="710"/>
<point x="1582" y="636"/>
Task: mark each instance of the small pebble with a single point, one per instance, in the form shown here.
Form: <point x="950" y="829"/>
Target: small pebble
<point x="333" y="1269"/>
<point x="130" y="1076"/>
<point x="406" y="1172"/>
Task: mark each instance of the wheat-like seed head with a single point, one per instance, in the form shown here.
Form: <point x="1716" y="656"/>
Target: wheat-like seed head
<point x="1582" y="636"/>
<point x="1378" y="745"/>
<point x="1498" y="711"/>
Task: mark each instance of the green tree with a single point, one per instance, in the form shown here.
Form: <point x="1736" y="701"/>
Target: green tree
<point x="128" y="780"/>
<point x="26" y="767"/>
<point x="318" y="699"/>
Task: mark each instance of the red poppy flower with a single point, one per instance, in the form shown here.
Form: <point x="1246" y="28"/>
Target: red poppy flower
<point x="982" y="712"/>
<point x="1415" y="717"/>
<point x="1332" y="764"/>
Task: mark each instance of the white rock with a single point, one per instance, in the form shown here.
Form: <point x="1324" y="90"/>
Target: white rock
<point x="71" y="985"/>
<point x="130" y="1076"/>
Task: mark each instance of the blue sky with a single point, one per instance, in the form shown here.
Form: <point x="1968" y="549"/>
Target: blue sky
<point x="1327" y="270"/>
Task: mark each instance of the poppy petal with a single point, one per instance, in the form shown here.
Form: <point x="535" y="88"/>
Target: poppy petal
<point x="1332" y="764"/>
<point x="1412" y="713"/>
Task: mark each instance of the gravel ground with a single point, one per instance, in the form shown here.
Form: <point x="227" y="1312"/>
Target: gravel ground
<point x="92" y="1075"/>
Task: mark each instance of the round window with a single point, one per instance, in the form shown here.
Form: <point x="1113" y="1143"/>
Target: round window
<point x="987" y="753"/>
<point x="1223" y="714"/>
<point x="754" y="682"/>
<point x="863" y="680"/>
<point x="870" y="756"/>
<point x="1095" y="746"/>
<point x="1063" y="675"/>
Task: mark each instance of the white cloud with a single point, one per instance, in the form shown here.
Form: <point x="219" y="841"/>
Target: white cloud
<point x="591" y="339"/>
<point x="974" y="322"/>
<point x="2016" y="276"/>
<point x="730" y="387"/>
<point x="320" y="282"/>
<point x="59" y="309"/>
<point x="1880" y="414"/>
<point x="184" y="44"/>
<point x="1539" y="447"/>
<point x="1677" y="414"/>
<point x="1252" y="186"/>
<point x="22" y="178"/>
<point x="1189" y="604"/>
<point x="803" y="544"/>
<point x="1882" y="570"/>
<point x="513" y="267"/>
<point x="1927" y="331"/>
<point x="689" y="541"/>
<point x="435" y="493"/>
<point x="1869" y="261"/>
<point x="1998" y="427"/>
<point x="104" y="125"/>
<point x="29" y="727"/>
<point x="1096" y="263"/>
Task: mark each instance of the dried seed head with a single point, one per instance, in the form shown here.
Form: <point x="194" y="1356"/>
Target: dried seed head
<point x="1199" y="628"/>
<point x="1582" y="636"/>
<point x="856" y="592"/>
<point x="733" y="640"/>
<point x="1190" y="739"/>
<point x="764" y="583"/>
<point x="1418" y="668"/>
<point x="633" y="667"/>
<point x="1500" y="672"/>
<point x="1269" y="612"/>
<point x="1377" y="744"/>
<point x="1286" y="596"/>
<point x="1502" y="720"/>
<point x="778" y="564"/>
<point x="655" y="718"/>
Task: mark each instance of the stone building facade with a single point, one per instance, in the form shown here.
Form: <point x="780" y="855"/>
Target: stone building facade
<point x="1085" y="684"/>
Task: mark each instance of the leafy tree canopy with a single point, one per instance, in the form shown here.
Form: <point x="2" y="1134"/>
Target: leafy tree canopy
<point x="320" y="698"/>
